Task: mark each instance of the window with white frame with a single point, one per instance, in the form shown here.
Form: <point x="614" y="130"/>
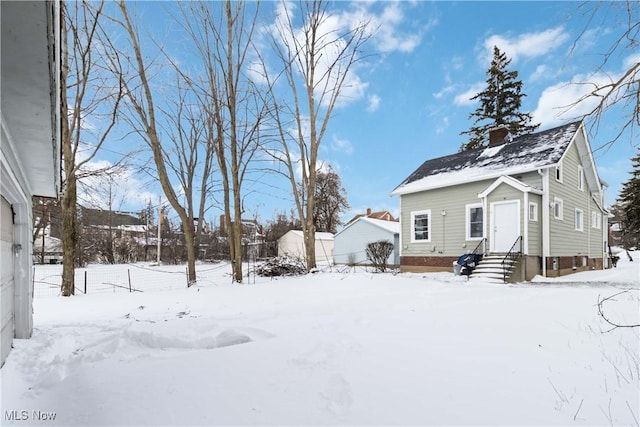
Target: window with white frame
<point x="580" y="178"/>
<point x="421" y="226"/>
<point x="475" y="227"/>
<point x="596" y="219"/>
<point x="579" y="220"/>
<point x="558" y="207"/>
<point x="533" y="211"/>
<point x="559" y="172"/>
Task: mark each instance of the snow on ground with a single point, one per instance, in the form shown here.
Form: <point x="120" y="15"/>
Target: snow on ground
<point x="333" y="348"/>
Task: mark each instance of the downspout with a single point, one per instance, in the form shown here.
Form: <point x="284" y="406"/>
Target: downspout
<point x="545" y="218"/>
<point x="525" y="243"/>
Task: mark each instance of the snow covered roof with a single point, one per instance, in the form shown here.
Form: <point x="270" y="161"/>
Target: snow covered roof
<point x="525" y="153"/>
<point x="319" y="235"/>
<point x="390" y="226"/>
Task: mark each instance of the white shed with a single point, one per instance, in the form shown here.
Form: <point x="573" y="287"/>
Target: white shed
<point x="30" y="149"/>
<point x="351" y="242"/>
<point x="292" y="244"/>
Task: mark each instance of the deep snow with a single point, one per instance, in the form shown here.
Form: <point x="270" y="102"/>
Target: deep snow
<point x="334" y="348"/>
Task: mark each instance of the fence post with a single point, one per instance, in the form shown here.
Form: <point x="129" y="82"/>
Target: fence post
<point x="129" y="275"/>
<point x="85" y="282"/>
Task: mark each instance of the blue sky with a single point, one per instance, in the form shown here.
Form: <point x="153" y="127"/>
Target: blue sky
<point x="409" y="98"/>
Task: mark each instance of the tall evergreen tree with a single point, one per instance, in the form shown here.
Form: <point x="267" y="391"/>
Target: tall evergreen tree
<point x="630" y="201"/>
<point x="500" y="104"/>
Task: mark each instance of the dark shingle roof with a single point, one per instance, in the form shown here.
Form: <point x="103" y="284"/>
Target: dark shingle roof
<point x="523" y="153"/>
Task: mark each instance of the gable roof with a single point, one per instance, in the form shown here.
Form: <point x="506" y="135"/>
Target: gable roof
<point x="381" y="215"/>
<point x="523" y="154"/>
<point x="390" y="226"/>
<point x="320" y="235"/>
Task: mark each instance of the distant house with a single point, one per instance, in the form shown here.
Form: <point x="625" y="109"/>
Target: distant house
<point x="537" y="197"/>
<point x="382" y="215"/>
<point x="350" y="243"/>
<point x="292" y="244"/>
<point x="47" y="250"/>
<point x="30" y="149"/>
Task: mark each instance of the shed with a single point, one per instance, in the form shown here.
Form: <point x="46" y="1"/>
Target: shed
<point x="351" y="242"/>
<point x="292" y="244"/>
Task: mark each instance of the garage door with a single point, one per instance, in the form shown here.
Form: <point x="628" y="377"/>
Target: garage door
<point x="6" y="278"/>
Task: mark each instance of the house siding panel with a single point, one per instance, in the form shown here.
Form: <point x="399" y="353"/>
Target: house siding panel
<point x="450" y="241"/>
<point x="534" y="227"/>
<point x="566" y="240"/>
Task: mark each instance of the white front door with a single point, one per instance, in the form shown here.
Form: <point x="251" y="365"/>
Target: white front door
<point x="505" y="225"/>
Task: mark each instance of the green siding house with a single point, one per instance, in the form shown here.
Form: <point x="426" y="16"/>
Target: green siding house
<point x="536" y="198"/>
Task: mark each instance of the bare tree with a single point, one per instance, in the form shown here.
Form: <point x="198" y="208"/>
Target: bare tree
<point x="144" y="118"/>
<point x="87" y="93"/>
<point x="222" y="34"/>
<point x="190" y="152"/>
<point x="616" y="90"/>
<point x="316" y="61"/>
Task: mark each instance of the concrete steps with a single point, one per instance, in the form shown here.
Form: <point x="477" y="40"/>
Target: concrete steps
<point x="490" y="269"/>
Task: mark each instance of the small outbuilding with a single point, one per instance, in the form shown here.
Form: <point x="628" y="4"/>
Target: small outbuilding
<point x="350" y="243"/>
<point x="292" y="244"/>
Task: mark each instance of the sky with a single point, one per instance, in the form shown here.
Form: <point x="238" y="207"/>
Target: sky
<point x="408" y="97"/>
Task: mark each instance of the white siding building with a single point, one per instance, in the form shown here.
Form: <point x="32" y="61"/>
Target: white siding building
<point x="292" y="244"/>
<point x="351" y="242"/>
<point x="29" y="147"/>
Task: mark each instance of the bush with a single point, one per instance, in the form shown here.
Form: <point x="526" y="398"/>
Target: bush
<point x="281" y="266"/>
<point x="378" y="253"/>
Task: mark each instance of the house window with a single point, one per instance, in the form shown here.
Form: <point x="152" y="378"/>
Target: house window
<point x="580" y="178"/>
<point x="475" y="229"/>
<point x="579" y="220"/>
<point x="559" y="172"/>
<point x="596" y="219"/>
<point x="557" y="208"/>
<point x="420" y="226"/>
<point x="533" y="211"/>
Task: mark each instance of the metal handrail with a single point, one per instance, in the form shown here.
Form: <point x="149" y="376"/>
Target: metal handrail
<point x="512" y="255"/>
<point x="480" y="248"/>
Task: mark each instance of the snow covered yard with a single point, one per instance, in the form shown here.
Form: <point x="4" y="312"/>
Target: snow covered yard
<point x="333" y="349"/>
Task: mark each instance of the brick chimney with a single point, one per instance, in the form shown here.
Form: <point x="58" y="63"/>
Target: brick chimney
<point x="368" y="211"/>
<point x="498" y="135"/>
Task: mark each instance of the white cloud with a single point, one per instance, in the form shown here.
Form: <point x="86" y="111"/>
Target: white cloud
<point x="342" y="145"/>
<point x="444" y="91"/>
<point x="540" y="72"/>
<point x="528" y="45"/>
<point x="116" y="190"/>
<point x="464" y="99"/>
<point x="386" y="28"/>
<point x="559" y="103"/>
<point x="374" y="103"/>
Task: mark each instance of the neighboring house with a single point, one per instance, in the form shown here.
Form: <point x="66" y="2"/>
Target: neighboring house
<point x="292" y="244"/>
<point x="30" y="149"/>
<point x="350" y="243"/>
<point x="538" y="195"/>
<point x="47" y="250"/>
<point x="383" y="215"/>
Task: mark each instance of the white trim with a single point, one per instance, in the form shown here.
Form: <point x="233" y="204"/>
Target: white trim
<point x="493" y="224"/>
<point x="535" y="212"/>
<point x="581" y="178"/>
<point x="579" y="226"/>
<point x="468" y="221"/>
<point x="518" y="185"/>
<point x="557" y="201"/>
<point x="558" y="173"/>
<point x="413" y="224"/>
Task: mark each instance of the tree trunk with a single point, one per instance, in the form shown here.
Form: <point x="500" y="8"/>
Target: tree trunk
<point x="69" y="235"/>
